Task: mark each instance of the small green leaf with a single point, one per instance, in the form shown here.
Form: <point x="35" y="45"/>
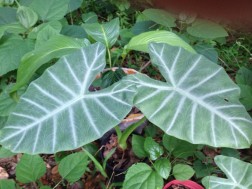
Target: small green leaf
<point x="54" y="24"/>
<point x="50" y="10"/>
<point x="12" y="49"/>
<point x="153" y="148"/>
<point x="230" y="152"/>
<point x="26" y="16"/>
<point x="141" y="176"/>
<point x="208" y="51"/>
<point x="178" y="148"/>
<point x="4" y="153"/>
<point x="243" y="76"/>
<point x="7" y="15"/>
<point x="122" y="5"/>
<point x="7" y="103"/>
<point x="163" y="167"/>
<point x="202" y="170"/>
<point x="73" y="166"/>
<point x="45" y="34"/>
<point x="110" y="77"/>
<point x="138" y="146"/>
<point x="144" y="26"/>
<point x="207" y="30"/>
<point x="140" y="42"/>
<point x="74" y="5"/>
<point x="182" y="172"/>
<point x="30" y="168"/>
<point x="106" y="33"/>
<point x="90" y="17"/>
<point x="160" y="17"/>
<point x="246" y="96"/>
<point x="7" y="184"/>
<point x="74" y="31"/>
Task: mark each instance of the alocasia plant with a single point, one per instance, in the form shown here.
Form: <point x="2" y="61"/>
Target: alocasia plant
<point x="197" y="103"/>
<point x="239" y="174"/>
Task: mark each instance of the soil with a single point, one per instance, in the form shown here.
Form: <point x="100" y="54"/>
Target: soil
<point x="121" y="159"/>
<point x="178" y="186"/>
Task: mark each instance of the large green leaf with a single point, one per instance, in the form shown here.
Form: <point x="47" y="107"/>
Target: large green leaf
<point x="30" y="168"/>
<point x="65" y="115"/>
<point x="12" y="50"/>
<point x="206" y="29"/>
<point x="161" y="17"/>
<point x="197" y="103"/>
<point x="141" y="176"/>
<point x="7" y="15"/>
<point x="239" y="174"/>
<point x="73" y="166"/>
<point x="140" y="42"/>
<point x="50" y="10"/>
<point x="55" y="47"/>
<point x="106" y="33"/>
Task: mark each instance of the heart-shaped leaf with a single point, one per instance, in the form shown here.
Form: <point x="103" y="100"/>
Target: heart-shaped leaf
<point x="206" y="29"/>
<point x="197" y="103"/>
<point x="9" y="57"/>
<point x="182" y="172"/>
<point x="30" y="168"/>
<point x="238" y="174"/>
<point x="160" y="16"/>
<point x="73" y="166"/>
<point x="58" y="112"/>
<point x="141" y="176"/>
<point x="50" y="10"/>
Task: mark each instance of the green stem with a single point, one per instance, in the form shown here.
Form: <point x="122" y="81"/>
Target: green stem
<point x="127" y="132"/>
<point x="17" y="3"/>
<point x="109" y="56"/>
<point x="14" y="96"/>
<point x="57" y="184"/>
<point x="118" y="132"/>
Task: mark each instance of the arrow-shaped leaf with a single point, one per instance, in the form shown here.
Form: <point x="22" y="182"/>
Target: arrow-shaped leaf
<point x="239" y="174"/>
<point x="197" y="103"/>
<point x="59" y="113"/>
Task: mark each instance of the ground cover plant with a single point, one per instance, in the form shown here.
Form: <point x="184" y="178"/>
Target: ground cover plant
<point x="59" y="96"/>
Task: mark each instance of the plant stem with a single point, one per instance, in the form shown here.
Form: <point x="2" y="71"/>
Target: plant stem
<point x="118" y="132"/>
<point x="122" y="141"/>
<point x="17" y="3"/>
<point x="109" y="56"/>
<point x="57" y="184"/>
